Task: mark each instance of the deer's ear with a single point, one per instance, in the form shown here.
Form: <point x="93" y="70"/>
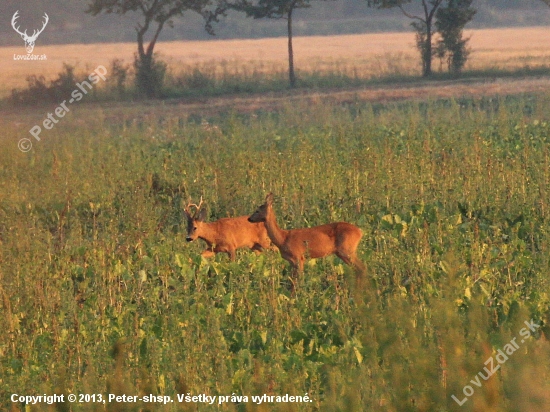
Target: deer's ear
<point x="269" y="199"/>
<point x="201" y="216"/>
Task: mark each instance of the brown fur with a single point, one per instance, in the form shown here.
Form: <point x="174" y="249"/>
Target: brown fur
<point x="227" y="235"/>
<point x="340" y="239"/>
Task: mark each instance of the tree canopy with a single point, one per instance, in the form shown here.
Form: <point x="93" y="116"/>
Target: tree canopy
<point x="423" y="25"/>
<point x="150" y="74"/>
<point x="153" y="11"/>
<point x="450" y="22"/>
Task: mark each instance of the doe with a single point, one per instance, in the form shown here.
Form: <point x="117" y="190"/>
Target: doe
<point x="340" y="239"/>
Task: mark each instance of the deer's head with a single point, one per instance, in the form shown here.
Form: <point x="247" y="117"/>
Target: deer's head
<point x="29" y="40"/>
<point x="194" y="221"/>
<point x="260" y="215"/>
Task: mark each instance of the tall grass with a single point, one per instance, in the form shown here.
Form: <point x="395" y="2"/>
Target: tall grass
<point x="234" y="77"/>
<point x="100" y="293"/>
<point x="231" y="76"/>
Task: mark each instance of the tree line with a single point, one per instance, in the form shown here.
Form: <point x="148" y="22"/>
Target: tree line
<point x="438" y="25"/>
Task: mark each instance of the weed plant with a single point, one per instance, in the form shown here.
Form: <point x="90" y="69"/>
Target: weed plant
<point x="100" y="293"/>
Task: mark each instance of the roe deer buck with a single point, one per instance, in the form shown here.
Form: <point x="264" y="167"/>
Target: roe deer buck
<point x="296" y="245"/>
<point x="225" y="235"/>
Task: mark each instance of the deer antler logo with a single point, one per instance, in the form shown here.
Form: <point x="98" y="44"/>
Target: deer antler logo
<point x="29" y="40"/>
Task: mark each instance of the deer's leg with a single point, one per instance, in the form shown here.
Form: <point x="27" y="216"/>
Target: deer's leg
<point x="257" y="248"/>
<point x="360" y="271"/>
<point x="208" y="253"/>
<point x="345" y="257"/>
<point x="294" y="276"/>
<point x="296" y="263"/>
<point x="359" y="266"/>
<point x="356" y="263"/>
<point x="300" y="265"/>
<point x="297" y="271"/>
<point x="296" y="266"/>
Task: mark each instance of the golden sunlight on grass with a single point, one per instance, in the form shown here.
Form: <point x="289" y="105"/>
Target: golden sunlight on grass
<point x="365" y="54"/>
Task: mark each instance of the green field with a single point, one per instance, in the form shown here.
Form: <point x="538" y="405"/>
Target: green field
<point x="100" y="293"/>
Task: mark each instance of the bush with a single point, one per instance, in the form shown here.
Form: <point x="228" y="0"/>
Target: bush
<point x="118" y="78"/>
<point x="150" y="74"/>
<point x="39" y="91"/>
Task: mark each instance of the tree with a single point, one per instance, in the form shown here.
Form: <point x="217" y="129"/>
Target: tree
<point x="275" y="9"/>
<point x="423" y="24"/>
<point x="150" y="73"/>
<point x="450" y="22"/>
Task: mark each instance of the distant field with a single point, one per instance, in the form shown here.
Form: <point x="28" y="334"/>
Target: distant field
<point x="366" y="54"/>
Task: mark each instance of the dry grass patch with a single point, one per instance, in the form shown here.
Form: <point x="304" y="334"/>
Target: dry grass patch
<point x="363" y="55"/>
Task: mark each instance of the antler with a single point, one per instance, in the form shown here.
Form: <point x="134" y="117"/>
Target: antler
<point x="13" y="23"/>
<point x="197" y="207"/>
<point x="37" y="32"/>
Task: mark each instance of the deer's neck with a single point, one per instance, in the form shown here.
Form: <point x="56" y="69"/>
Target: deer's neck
<point x="209" y="233"/>
<point x="275" y="233"/>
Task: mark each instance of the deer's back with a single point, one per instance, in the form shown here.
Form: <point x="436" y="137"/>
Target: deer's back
<point x="323" y="240"/>
<point x="240" y="231"/>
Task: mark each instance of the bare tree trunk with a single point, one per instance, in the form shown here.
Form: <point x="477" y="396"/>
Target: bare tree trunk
<point x="141" y="48"/>
<point x="153" y="42"/>
<point x="291" y="76"/>
<point x="429" y="13"/>
<point x="149" y="74"/>
<point x="428" y="51"/>
<point x="423" y="28"/>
